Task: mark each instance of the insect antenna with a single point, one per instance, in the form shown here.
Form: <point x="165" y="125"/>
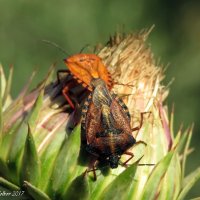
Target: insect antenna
<point x="124" y="84"/>
<point x="57" y="46"/>
<point x="137" y="162"/>
<point x="142" y="164"/>
<point x="148" y="164"/>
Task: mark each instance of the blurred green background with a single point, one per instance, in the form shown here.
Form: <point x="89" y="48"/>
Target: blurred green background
<point x="73" y="24"/>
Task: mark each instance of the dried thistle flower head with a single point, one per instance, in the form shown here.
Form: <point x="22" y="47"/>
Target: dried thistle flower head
<point x="38" y="154"/>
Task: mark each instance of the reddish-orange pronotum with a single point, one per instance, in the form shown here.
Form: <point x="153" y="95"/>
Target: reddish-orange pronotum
<point x="84" y="68"/>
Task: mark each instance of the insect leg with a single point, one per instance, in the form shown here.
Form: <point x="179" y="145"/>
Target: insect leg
<point x="92" y="170"/>
<point x="65" y="93"/>
<point x="141" y="122"/>
<point x="131" y="156"/>
<point x="140" y="142"/>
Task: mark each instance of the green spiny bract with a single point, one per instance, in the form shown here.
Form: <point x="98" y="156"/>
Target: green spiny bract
<point x="41" y="156"/>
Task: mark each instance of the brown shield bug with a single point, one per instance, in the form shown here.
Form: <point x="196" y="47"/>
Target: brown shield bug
<point x="106" y="126"/>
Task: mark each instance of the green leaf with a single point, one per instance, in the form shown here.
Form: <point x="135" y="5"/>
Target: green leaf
<point x="176" y="140"/>
<point x="172" y="178"/>
<point x="3" y="168"/>
<point x="189" y="137"/>
<point x="182" y="141"/>
<point x="8" y="86"/>
<point x="10" y="155"/>
<point x="189" y="181"/>
<point x="34" y="114"/>
<point x="172" y="122"/>
<point x="121" y="185"/>
<point x="1" y="103"/>
<point x="10" y="186"/>
<point x="78" y="189"/>
<point x="35" y="192"/>
<point x="14" y="156"/>
<point x="105" y="176"/>
<point x="65" y="164"/>
<point x="18" y="142"/>
<point x="152" y="185"/>
<point x="2" y="81"/>
<point x="30" y="164"/>
<point x="7" y="141"/>
<point x="48" y="158"/>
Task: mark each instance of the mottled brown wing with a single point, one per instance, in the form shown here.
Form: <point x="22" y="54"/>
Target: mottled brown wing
<point x="121" y="119"/>
<point x="101" y="96"/>
<point x="93" y="122"/>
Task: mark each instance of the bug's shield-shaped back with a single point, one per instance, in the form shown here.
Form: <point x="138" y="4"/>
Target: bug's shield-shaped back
<point x="86" y="67"/>
<point x="107" y="125"/>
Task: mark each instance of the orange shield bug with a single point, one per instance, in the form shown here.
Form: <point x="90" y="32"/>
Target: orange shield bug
<point x="86" y="67"/>
<point x="83" y="68"/>
<point x="106" y="126"/>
